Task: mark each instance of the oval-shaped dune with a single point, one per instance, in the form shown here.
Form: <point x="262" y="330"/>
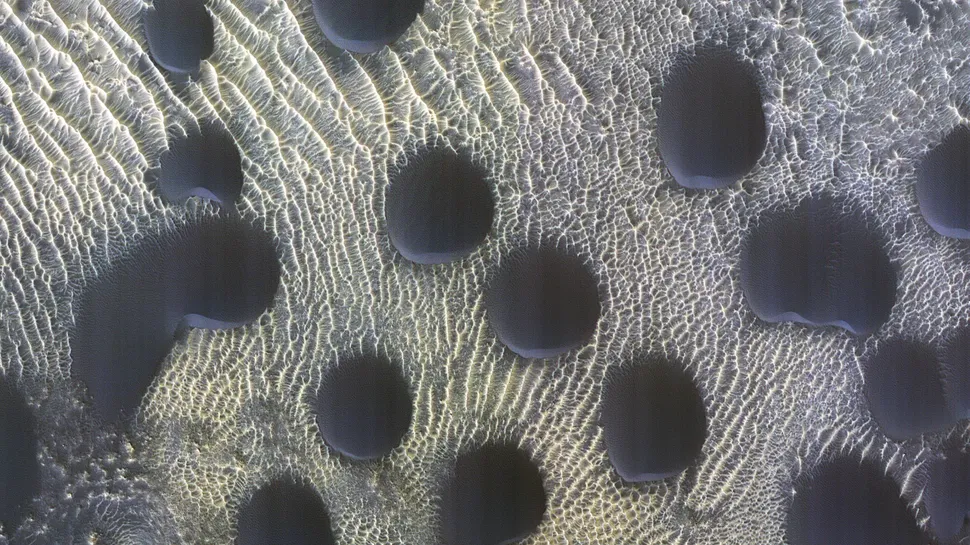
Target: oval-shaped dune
<point x="284" y="512"/>
<point x="203" y="163"/>
<point x="214" y="273"/>
<point x="850" y="502"/>
<point x="947" y="494"/>
<point x="943" y="185"/>
<point x="365" y="26"/>
<point x="711" y="123"/>
<point x="955" y="365"/>
<point x="653" y="420"/>
<point x="820" y="265"/>
<point x="543" y="302"/>
<point x="363" y="407"/>
<point x="20" y="477"/>
<point x="180" y="34"/>
<point x="494" y="496"/>
<point x="439" y="207"/>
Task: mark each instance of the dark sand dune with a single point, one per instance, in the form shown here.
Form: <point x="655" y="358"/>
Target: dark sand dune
<point x="943" y="185"/>
<point x="818" y="265"/>
<point x="947" y="494"/>
<point x="711" y="123"/>
<point x="363" y="407"/>
<point x="284" y="513"/>
<point x="365" y="26"/>
<point x="912" y="13"/>
<point x="543" y="302"/>
<point x="850" y="502"/>
<point x="439" y="207"/>
<point x="204" y="163"/>
<point x="653" y="420"/>
<point x="956" y="372"/>
<point x="904" y="390"/>
<point x="214" y="273"/>
<point x="180" y="34"/>
<point x="495" y="496"/>
<point x="20" y="477"/>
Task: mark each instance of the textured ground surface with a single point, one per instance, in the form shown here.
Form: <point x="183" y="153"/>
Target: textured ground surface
<point x="558" y="99"/>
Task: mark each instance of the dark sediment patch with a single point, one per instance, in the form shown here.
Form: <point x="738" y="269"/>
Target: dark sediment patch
<point x="956" y="373"/>
<point x="819" y="265"/>
<point x="203" y="163"/>
<point x="943" y="185"/>
<point x="711" y="123"/>
<point x="365" y="26"/>
<point x="912" y="14"/>
<point x="20" y="477"/>
<point x="653" y="420"/>
<point x="947" y="495"/>
<point x="439" y="207"/>
<point x="495" y="496"/>
<point x="180" y="34"/>
<point x="543" y="302"/>
<point x="214" y="273"/>
<point x="904" y="390"/>
<point x="850" y="502"/>
<point x="363" y="407"/>
<point x="284" y="512"/>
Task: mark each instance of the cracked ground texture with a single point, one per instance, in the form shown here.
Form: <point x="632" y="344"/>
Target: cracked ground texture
<point x="558" y="100"/>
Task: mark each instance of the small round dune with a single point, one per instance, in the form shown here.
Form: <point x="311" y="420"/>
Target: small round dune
<point x="820" y="265"/>
<point x="653" y="420"/>
<point x="180" y="34"/>
<point x="20" y="477"/>
<point x="203" y="163"/>
<point x="439" y="207"/>
<point x="711" y="122"/>
<point x="365" y="26"/>
<point x="947" y="495"/>
<point x="363" y="407"/>
<point x="943" y="185"/>
<point x="543" y="302"/>
<point x="904" y="390"/>
<point x="955" y="365"/>
<point x="494" y="496"/>
<point x="284" y="512"/>
<point x="850" y="502"/>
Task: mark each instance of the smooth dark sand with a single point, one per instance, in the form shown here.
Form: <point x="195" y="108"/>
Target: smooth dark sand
<point x="20" y="477"/>
<point x="904" y="390"/>
<point x="947" y="495"/>
<point x="365" y="26"/>
<point x="284" y="513"/>
<point x="543" y="302"/>
<point x="214" y="273"/>
<point x="180" y="34"/>
<point x="363" y="407"/>
<point x="495" y="496"/>
<point x="204" y="163"/>
<point x="955" y="363"/>
<point x="912" y="14"/>
<point x="711" y="123"/>
<point x="653" y="420"/>
<point x="943" y="185"/>
<point x="439" y="207"/>
<point x="818" y="265"/>
<point x="850" y="502"/>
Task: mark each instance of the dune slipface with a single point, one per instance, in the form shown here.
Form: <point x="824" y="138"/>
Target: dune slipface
<point x="653" y="420"/>
<point x="711" y="123"/>
<point x="180" y="34"/>
<point x="943" y="185"/>
<point x="439" y="207"/>
<point x="947" y="494"/>
<point x="213" y="273"/>
<point x="956" y="372"/>
<point x="203" y="163"/>
<point x="904" y="390"/>
<point x="848" y="502"/>
<point x="818" y="265"/>
<point x="543" y="302"/>
<point x="495" y="496"/>
<point x="363" y="407"/>
<point x="365" y="26"/>
<point x="284" y="513"/>
<point x="19" y="469"/>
